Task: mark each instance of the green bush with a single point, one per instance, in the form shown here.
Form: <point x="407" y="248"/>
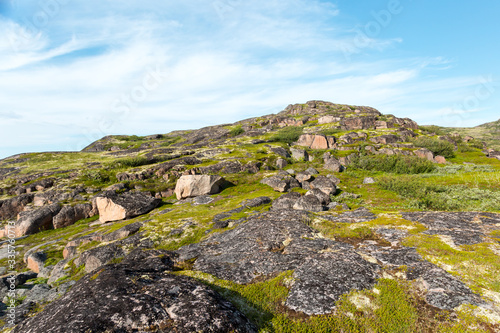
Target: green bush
<point x="133" y="162"/>
<point x="236" y="131"/>
<point x="441" y="197"/>
<point x="475" y="143"/>
<point x="432" y="129"/>
<point x="95" y="176"/>
<point x="438" y="147"/>
<point x="394" y="164"/>
<point x="287" y="135"/>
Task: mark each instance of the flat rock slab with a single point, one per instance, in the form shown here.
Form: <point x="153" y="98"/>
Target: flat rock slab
<point x="356" y="216"/>
<point x="138" y="295"/>
<point x="277" y="241"/>
<point x="464" y="228"/>
<point x="443" y="290"/>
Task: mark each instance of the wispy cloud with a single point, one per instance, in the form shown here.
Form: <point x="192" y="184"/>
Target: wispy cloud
<point x="252" y="59"/>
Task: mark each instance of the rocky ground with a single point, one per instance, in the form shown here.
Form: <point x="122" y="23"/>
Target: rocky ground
<point x="304" y="221"/>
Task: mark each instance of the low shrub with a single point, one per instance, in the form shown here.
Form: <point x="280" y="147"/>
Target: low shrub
<point x="432" y="129"/>
<point x="438" y="147"/>
<point x="287" y="135"/>
<point x="441" y="197"/>
<point x="236" y="131"/>
<point x="400" y="164"/>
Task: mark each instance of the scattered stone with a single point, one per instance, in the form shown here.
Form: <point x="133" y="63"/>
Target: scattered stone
<point x="256" y="202"/>
<point x="323" y="198"/>
<point x="312" y="171"/>
<point x="282" y="182"/>
<point x="440" y="159"/>
<point x="324" y="184"/>
<point x="369" y="180"/>
<point x="280" y="151"/>
<point x="309" y="203"/>
<point x="99" y="256"/>
<point x="424" y="153"/>
<point x="331" y="163"/>
<point x="286" y="201"/>
<point x="114" y="207"/>
<point x="123" y="232"/>
<point x="195" y="185"/>
<point x="299" y="154"/>
<point x="303" y="176"/>
<point x="281" y="163"/>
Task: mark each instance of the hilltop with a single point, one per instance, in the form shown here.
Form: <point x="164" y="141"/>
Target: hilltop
<point x="322" y="218"/>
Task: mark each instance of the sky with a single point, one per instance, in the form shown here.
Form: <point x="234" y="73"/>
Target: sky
<point x="73" y="71"/>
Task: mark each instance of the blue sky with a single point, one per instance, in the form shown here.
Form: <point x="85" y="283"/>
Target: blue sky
<point x="73" y="71"/>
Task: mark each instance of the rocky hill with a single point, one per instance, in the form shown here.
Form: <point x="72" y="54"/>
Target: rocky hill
<point x="489" y="133"/>
<point x="321" y="218"/>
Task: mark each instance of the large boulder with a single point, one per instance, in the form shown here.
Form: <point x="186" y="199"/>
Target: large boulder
<point x="11" y="207"/>
<point x="37" y="220"/>
<point x="316" y="141"/>
<point x="299" y="154"/>
<point x="282" y="182"/>
<point x="195" y="185"/>
<point x="324" y="184"/>
<point x="70" y="214"/>
<point x="115" y="207"/>
<point x="358" y="123"/>
<point x="331" y="163"/>
<point x="424" y="153"/>
<point x="308" y="202"/>
<point x="138" y="295"/>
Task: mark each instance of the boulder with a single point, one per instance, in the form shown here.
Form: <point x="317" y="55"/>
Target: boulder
<point x="323" y="198"/>
<point x="299" y="154"/>
<point x="194" y="185"/>
<point x="11" y="207"/>
<point x="368" y="180"/>
<point x="139" y="295"/>
<point x="281" y="163"/>
<point x="331" y="163"/>
<point x="99" y="256"/>
<point x="115" y="207"/>
<point x="424" y="153"/>
<point x="324" y="184"/>
<point x="303" y="176"/>
<point x="440" y="159"/>
<point x="386" y="139"/>
<point x="358" y="123"/>
<point x="35" y="261"/>
<point x="316" y="141"/>
<point x="286" y="201"/>
<point x="70" y="214"/>
<point x="328" y="119"/>
<point x="37" y="220"/>
<point x="282" y="182"/>
<point x="280" y="151"/>
<point x="308" y="202"/>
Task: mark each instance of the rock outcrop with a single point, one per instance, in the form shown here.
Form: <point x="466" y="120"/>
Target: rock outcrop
<point x="138" y="295"/>
<point x="70" y="214"/>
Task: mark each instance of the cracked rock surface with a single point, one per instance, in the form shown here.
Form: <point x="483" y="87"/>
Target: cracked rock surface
<point x="138" y="295"/>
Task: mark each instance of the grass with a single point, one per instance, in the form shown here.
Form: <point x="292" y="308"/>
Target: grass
<point x="399" y="164"/>
<point x="287" y="135"/>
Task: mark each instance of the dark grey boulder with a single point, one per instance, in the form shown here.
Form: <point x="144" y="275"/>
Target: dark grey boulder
<point x="286" y="201"/>
<point x="282" y="182"/>
<point x="323" y="198"/>
<point x="11" y="207"/>
<point x="308" y="202"/>
<point x="138" y="295"/>
<point x="95" y="258"/>
<point x="324" y="184"/>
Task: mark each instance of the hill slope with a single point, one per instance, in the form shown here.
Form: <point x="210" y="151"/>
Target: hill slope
<point x="322" y="218"/>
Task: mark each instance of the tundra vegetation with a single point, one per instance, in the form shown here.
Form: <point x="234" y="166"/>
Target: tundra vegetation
<point x="322" y="218"/>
